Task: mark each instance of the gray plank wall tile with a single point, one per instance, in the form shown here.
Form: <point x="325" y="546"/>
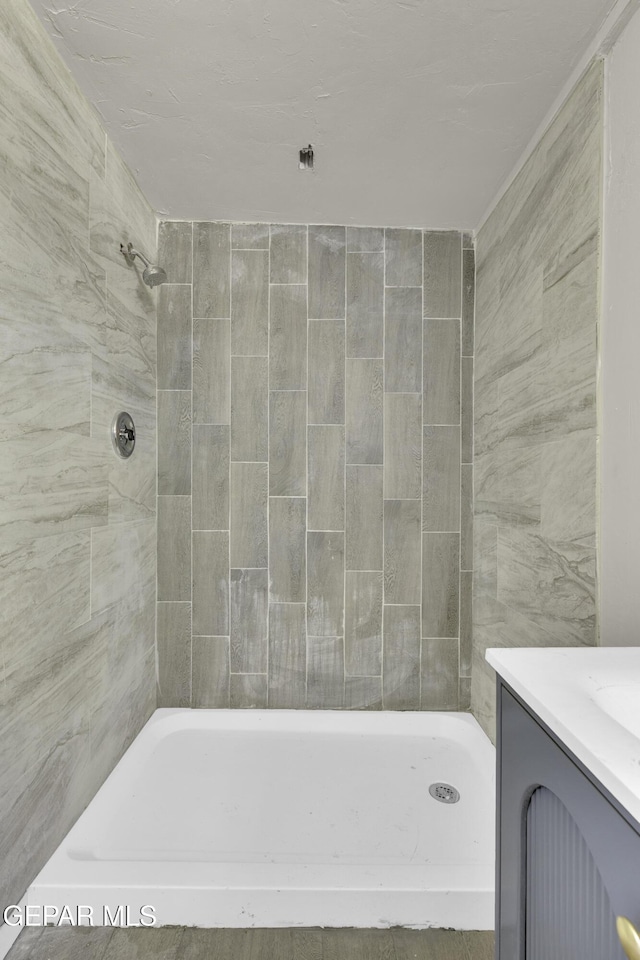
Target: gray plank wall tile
<point x="288" y="337"/>
<point x="175" y="240"/>
<point x="364" y="410"/>
<point x="402" y="551"/>
<point x="249" y="409"/>
<point x="441" y="371"/>
<point x="364" y="517"/>
<point x="365" y="299"/>
<point x="249" y="605"/>
<point x="403" y="340"/>
<point x="327" y="265"/>
<point x="326" y="490"/>
<point x="287" y="549"/>
<point x="403" y="258"/>
<point x="325" y="673"/>
<point x="362" y="239"/>
<point x="211" y="371"/>
<point x="249" y="494"/>
<point x="250" y="303"/>
<point x="287" y="656"/>
<point x="402" y="446"/>
<point x="210" y="587"/>
<point x="210" y="477"/>
<point x="173" y="640"/>
<point x="311" y="369"/>
<point x="441" y="478"/>
<point x="442" y="273"/>
<point x="174" y="548"/>
<point x="210" y="672"/>
<point x="326" y="371"/>
<point x="288" y="253"/>
<point x="250" y="236"/>
<point x="288" y="443"/>
<point x="211" y="270"/>
<point x="248" y="691"/>
<point x="439" y="674"/>
<point x="363" y="624"/>
<point x="174" y="454"/>
<point x="401" y="664"/>
<point x="174" y="337"/>
<point x="325" y="584"/>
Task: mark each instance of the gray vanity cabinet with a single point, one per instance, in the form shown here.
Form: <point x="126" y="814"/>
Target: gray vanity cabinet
<point x="568" y="855"/>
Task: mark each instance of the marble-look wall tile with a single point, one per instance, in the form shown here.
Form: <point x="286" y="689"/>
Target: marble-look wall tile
<point x="442" y="273"/>
<point x="288" y="337"/>
<point x="249" y="409"/>
<point x="365" y="298"/>
<point x="287" y="549"/>
<point x="287" y="656"/>
<point x="249" y="613"/>
<point x="326" y="491"/>
<point x="401" y="662"/>
<point x="210" y="477"/>
<point x="403" y="258"/>
<point x="364" y="411"/>
<point x="327" y="265"/>
<point x="326" y="371"/>
<point x="325" y="584"/>
<point x="363" y="624"/>
<point x="250" y="303"/>
<point x="535" y="360"/>
<point x="78" y="544"/>
<point x="174" y="454"/>
<point x="211" y="371"/>
<point x="211" y="270"/>
<point x="173" y="640"/>
<point x="288" y="260"/>
<point x="175" y="243"/>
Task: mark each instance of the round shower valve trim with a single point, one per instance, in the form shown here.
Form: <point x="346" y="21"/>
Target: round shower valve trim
<point x="123" y="434"/>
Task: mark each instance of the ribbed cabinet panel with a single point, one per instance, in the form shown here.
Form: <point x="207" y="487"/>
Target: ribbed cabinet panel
<point x="316" y="466"/>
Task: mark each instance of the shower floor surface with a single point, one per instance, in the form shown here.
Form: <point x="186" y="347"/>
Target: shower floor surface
<point x="288" y="818"/>
<point x="179" y="943"/>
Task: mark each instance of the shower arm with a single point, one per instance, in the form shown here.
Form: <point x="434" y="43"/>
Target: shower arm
<point x="130" y="254"/>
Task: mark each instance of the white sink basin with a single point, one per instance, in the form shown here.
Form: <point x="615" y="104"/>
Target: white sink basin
<point x="589" y="697"/>
<point x="622" y="702"/>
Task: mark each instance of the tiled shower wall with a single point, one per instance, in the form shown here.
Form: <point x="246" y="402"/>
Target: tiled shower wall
<point x="77" y="525"/>
<point x="314" y="467"/>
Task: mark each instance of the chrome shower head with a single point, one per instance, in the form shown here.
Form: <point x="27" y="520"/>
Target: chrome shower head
<point x="153" y="275"/>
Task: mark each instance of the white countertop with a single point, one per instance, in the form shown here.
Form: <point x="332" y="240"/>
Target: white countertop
<point x="563" y="686"/>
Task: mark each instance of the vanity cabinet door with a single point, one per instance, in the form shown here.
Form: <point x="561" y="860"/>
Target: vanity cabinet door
<point x="568" y="858"/>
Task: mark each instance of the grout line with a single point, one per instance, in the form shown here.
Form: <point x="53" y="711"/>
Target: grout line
<point x="420" y="703"/>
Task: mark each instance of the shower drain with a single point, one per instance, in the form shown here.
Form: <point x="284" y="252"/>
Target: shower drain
<point x="444" y="792"/>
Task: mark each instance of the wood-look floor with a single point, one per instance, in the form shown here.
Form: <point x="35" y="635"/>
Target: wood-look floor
<point x="180" y="943"/>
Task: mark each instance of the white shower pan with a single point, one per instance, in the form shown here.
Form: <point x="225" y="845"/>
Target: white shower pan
<point x="234" y="818"/>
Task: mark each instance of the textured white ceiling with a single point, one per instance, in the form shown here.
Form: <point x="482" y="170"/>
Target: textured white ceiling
<point x="417" y="109"/>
